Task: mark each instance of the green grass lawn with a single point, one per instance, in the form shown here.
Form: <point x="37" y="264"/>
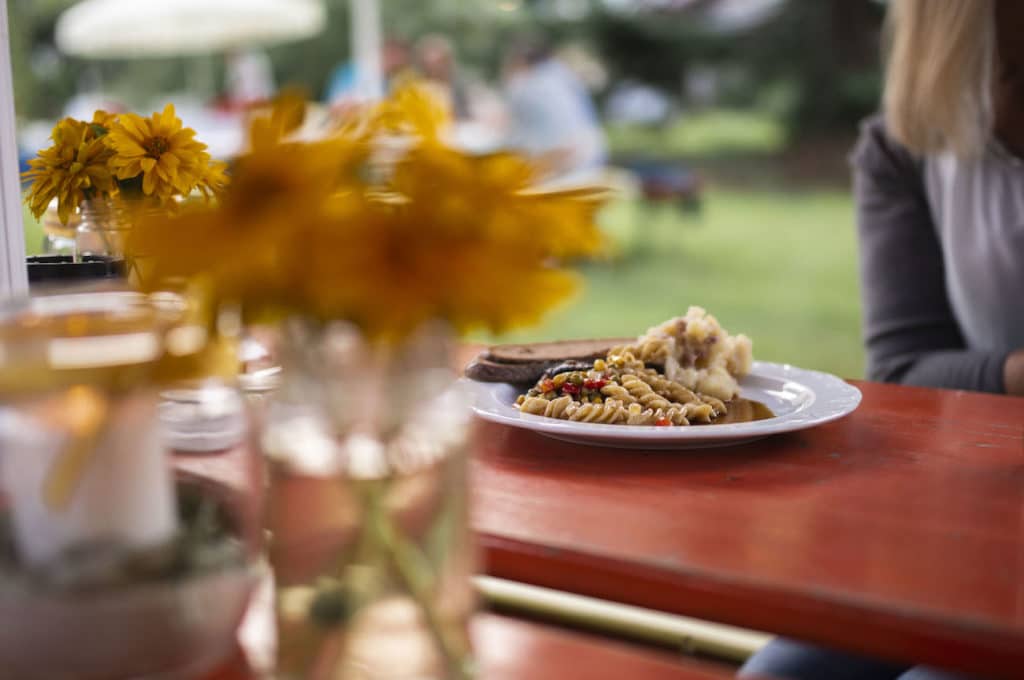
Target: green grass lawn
<point x="33" y="233"/>
<point x="715" y="132"/>
<point x="780" y="267"/>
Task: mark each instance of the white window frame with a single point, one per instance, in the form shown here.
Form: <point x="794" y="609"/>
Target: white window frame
<point x="13" y="276"/>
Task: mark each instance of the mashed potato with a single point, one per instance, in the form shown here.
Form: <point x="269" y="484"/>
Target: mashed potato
<point x="698" y="353"/>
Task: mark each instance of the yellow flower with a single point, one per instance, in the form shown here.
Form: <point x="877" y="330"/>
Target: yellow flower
<point x="323" y="230"/>
<point x="75" y="168"/>
<point x="493" y="197"/>
<point x="385" y="268"/>
<point x="414" y="109"/>
<point x="285" y="115"/>
<point x="275" y="168"/>
<point x="250" y="244"/>
<point x="102" y="122"/>
<point x="159" y="149"/>
<point x="214" y="179"/>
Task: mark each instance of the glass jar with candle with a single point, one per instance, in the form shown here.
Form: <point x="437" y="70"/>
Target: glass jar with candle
<point x="113" y="563"/>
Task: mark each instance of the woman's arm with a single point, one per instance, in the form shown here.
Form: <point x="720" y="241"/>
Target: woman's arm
<point x="1013" y="373"/>
<point x="909" y="329"/>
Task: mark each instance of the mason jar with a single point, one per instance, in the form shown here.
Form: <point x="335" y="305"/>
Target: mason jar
<point x="367" y="507"/>
<point x="113" y="563"/>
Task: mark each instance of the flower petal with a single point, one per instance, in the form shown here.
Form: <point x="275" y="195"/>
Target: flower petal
<point x="148" y="183"/>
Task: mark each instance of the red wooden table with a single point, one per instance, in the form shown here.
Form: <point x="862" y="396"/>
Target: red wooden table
<point x="513" y="649"/>
<point x="897" y="531"/>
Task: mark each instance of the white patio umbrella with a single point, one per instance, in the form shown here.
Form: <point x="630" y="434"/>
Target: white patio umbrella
<point x="101" y="29"/>
<point x="105" y="29"/>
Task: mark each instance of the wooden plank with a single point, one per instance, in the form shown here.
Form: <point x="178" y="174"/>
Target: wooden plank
<point x="514" y="649"/>
<point x="897" y="531"/>
<point x="518" y="650"/>
<point x="681" y="633"/>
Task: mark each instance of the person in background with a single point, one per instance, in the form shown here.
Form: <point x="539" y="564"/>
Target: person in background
<point x="590" y="71"/>
<point x="395" y="59"/>
<point x="939" y="182"/>
<point x="939" y="187"/>
<point x="436" y="63"/>
<point x="248" y="77"/>
<point x="341" y="84"/>
<point x="551" y="115"/>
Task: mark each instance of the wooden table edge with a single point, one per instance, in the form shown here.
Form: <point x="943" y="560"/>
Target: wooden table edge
<point x="967" y="646"/>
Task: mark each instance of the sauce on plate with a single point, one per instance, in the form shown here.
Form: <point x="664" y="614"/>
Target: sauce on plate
<point x="743" y="411"/>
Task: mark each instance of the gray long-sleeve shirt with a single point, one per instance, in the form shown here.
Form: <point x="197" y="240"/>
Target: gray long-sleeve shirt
<point x="941" y="263"/>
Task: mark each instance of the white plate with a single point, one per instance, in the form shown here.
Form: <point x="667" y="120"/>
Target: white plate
<point x="798" y="397"/>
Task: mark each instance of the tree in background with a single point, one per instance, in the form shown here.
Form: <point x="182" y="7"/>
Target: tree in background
<point x="43" y="80"/>
<point x="813" y="62"/>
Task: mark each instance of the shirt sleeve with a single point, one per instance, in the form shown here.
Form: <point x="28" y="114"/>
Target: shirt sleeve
<point x="910" y="332"/>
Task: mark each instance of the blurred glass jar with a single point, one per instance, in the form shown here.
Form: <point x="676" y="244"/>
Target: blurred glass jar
<point x="113" y="564"/>
<point x="205" y="413"/>
<point x="62" y="262"/>
<point x="58" y="238"/>
<point x="103" y="228"/>
<point x="368" y="507"/>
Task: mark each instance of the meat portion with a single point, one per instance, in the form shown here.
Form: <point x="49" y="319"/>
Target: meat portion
<point x="526" y="363"/>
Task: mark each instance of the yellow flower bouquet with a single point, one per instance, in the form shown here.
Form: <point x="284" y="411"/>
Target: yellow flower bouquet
<point x="380" y="223"/>
<point x="360" y="242"/>
<point x="118" y="162"/>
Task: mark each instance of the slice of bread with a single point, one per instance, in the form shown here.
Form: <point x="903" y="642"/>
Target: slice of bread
<point x="559" y="350"/>
<point x="485" y="370"/>
<point x="524" y="363"/>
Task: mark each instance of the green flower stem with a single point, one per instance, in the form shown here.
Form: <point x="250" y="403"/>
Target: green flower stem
<point x="415" y="571"/>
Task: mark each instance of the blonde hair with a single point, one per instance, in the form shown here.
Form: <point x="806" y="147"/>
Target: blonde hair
<point x="940" y="57"/>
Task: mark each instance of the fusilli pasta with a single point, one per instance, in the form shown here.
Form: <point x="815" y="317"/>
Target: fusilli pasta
<point x="678" y="373"/>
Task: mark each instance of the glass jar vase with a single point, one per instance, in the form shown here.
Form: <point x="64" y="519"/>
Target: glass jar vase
<point x="367" y="508"/>
<point x="112" y="562"/>
<point x="58" y="238"/>
<point x="103" y="228"/>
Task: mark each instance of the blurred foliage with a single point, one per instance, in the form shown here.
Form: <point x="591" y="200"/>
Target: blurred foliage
<point x="715" y="132"/>
<point x="40" y="88"/>
<point x="44" y="79"/>
<point x="829" y="49"/>
<point x="813" y="64"/>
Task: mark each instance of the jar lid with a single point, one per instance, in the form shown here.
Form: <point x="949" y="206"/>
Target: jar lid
<point x="112" y="339"/>
<point x="51" y="268"/>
